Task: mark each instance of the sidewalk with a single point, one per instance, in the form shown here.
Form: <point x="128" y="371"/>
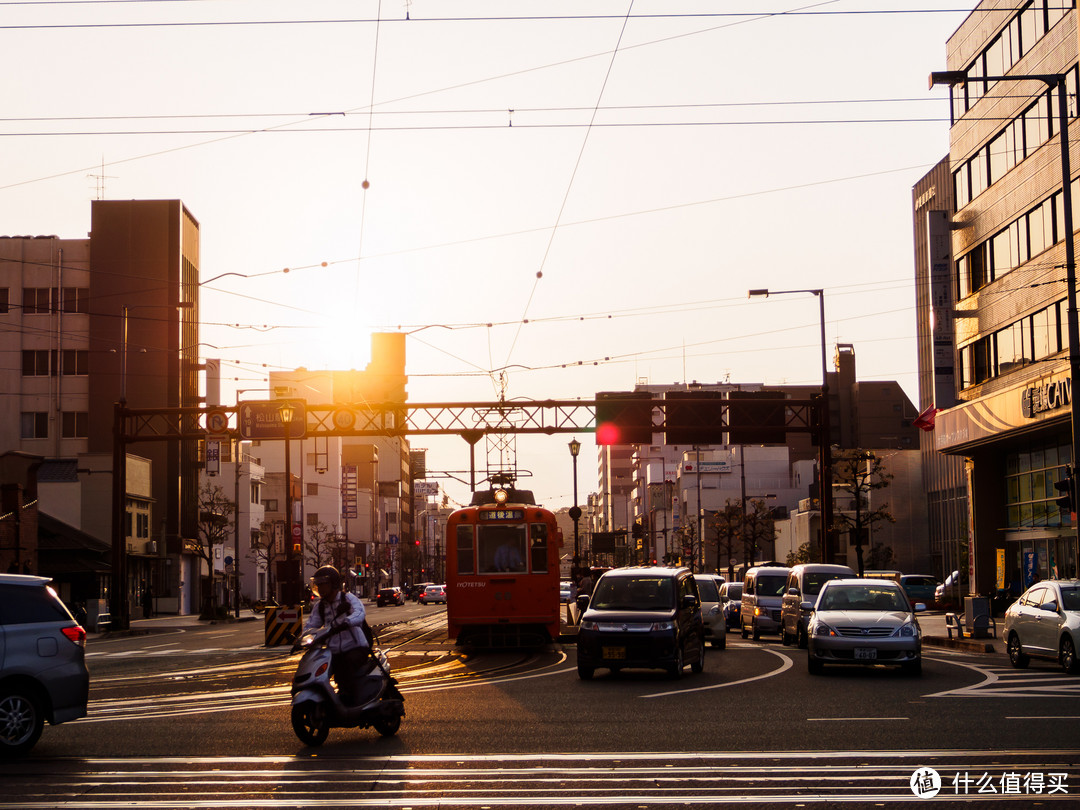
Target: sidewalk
<point x="170" y="623"/>
<point x="936" y="634"/>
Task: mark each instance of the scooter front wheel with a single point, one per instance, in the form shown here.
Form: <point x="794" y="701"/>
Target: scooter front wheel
<point x="388" y="726"/>
<point x="310" y="724"/>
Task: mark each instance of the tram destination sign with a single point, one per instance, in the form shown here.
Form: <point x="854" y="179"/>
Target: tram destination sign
<point x="264" y="420"/>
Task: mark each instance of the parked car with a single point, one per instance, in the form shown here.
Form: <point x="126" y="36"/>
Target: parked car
<point x="389" y="596"/>
<point x="731" y="598"/>
<point x="948" y="592"/>
<point x="763" y="590"/>
<point x="641" y="618"/>
<point x="712" y="613"/>
<point x="1045" y="623"/>
<point x="803" y="585"/>
<point x="433" y="594"/>
<point x="919" y="588"/>
<point x="864" y="622"/>
<point x="43" y="675"/>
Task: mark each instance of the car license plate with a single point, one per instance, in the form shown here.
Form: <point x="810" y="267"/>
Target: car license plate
<point x="865" y="653"/>
<point x="614" y="653"/>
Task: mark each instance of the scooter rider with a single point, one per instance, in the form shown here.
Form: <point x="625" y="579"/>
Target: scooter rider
<point x="349" y="647"/>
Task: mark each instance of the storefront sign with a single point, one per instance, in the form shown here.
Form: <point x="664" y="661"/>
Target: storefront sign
<point x="1046" y="397"/>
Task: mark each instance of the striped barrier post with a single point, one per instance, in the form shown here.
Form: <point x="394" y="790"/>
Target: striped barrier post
<point x="282" y="625"/>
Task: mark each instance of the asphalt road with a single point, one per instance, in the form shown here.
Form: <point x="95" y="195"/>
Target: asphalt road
<point x="194" y="715"/>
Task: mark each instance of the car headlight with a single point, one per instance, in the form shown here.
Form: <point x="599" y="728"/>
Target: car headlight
<point x="822" y="629"/>
<point x="758" y="611"/>
<point x="662" y="626"/>
<point x="907" y="630"/>
<point x="589" y="626"/>
<point x="714" y="610"/>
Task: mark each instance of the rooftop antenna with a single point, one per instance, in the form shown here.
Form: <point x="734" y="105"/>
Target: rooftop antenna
<point x="100" y="180"/>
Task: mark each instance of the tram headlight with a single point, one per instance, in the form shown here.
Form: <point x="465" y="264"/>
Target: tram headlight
<point x="500" y="496"/>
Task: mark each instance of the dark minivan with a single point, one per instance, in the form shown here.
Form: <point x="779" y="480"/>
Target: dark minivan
<point x="647" y="618"/>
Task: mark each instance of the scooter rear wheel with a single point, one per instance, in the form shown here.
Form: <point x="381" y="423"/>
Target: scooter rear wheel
<point x="310" y="724"/>
<point x="388" y="726"/>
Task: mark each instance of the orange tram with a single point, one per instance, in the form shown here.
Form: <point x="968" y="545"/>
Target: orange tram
<point x="502" y="571"/>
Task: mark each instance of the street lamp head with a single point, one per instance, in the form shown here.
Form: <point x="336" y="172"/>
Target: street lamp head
<point x="575" y="448"/>
<point x="948" y="77"/>
<point x="758" y="294"/>
<point x="287" y="412"/>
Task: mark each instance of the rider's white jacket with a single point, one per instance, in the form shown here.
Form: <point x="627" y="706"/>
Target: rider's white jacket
<point x="346" y="610"/>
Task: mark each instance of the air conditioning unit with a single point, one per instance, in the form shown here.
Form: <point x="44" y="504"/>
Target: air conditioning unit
<point x="151" y="546"/>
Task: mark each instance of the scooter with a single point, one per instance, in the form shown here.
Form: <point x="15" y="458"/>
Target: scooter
<point x="316" y="705"/>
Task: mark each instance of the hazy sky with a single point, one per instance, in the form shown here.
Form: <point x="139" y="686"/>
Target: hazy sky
<point x="548" y="183"/>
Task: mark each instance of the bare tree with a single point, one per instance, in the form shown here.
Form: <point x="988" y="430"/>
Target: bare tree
<point x="758" y="529"/>
<point x="727" y="531"/>
<point x="264" y="552"/>
<point x="858" y="473"/>
<point x="216" y="513"/>
<point x="320" y="545"/>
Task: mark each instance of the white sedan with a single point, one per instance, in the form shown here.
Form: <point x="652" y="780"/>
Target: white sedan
<point x="1045" y="623"/>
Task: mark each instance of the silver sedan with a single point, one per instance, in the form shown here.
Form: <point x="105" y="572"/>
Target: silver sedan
<point x="864" y="622"/>
<point x="1045" y="622"/>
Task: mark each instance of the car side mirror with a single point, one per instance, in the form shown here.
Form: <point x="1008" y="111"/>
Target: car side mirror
<point x="792" y="591"/>
<point x="920" y="607"/>
<point x="689" y="601"/>
<point x="807" y="607"/>
<point x="1050" y="606"/>
<point x="583" y="602"/>
<point x="724" y="599"/>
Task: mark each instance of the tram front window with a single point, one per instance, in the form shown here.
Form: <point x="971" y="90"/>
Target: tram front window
<point x="501" y="549"/>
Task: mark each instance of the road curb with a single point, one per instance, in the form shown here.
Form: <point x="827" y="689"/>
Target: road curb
<point x="967" y="645"/>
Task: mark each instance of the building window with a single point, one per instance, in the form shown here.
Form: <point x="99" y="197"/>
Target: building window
<point x="1029" y="486"/>
<point x="3" y="300"/>
<point x="36" y="300"/>
<point x="75" y="362"/>
<point x="312" y="518"/>
<point x="75" y="425"/>
<point x="33" y="425"/>
<point x="270" y="505"/>
<point x="75" y="299"/>
<point x="312" y="489"/>
<point x="35" y="362"/>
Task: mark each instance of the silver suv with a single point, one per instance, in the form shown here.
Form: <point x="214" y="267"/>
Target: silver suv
<point x="43" y="673"/>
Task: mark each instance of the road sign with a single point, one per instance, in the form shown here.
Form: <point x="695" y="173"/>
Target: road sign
<point x="393" y="539"/>
<point x="217" y="422"/>
<point x="297" y="532"/>
<point x="262" y="420"/>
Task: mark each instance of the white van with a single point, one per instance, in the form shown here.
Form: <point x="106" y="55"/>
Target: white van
<point x="803" y="586"/>
<point x="763" y="590"/>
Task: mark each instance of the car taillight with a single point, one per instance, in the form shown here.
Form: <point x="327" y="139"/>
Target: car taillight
<point x="77" y="635"/>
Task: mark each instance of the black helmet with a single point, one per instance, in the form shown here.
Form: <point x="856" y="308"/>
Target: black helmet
<point x="326" y="581"/>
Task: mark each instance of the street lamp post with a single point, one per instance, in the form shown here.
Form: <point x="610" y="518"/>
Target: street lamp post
<point x="1052" y="80"/>
<point x="287" y="411"/>
<point x="823" y="433"/>
<point x="575" y="510"/>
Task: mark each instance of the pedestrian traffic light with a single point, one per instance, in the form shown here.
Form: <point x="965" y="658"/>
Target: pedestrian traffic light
<point x="624" y="417"/>
<point x="1067" y="487"/>
<point x="295" y="548"/>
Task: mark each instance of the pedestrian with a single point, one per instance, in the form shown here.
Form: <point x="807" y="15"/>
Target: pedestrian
<point x="147" y="602"/>
<point x="80" y="613"/>
<point x="585" y="586"/>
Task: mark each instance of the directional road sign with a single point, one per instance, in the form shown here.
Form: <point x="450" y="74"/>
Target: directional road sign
<point x="262" y="419"/>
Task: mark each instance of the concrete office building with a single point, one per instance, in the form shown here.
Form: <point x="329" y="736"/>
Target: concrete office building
<point x="86" y="323"/>
<point x="1011" y="420"/>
